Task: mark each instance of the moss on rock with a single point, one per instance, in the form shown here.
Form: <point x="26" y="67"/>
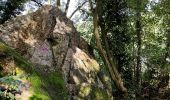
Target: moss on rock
<point x="49" y="86"/>
<point x="43" y="86"/>
<point x="99" y="94"/>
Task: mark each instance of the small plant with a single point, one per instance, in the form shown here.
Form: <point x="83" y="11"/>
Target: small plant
<point x="9" y="86"/>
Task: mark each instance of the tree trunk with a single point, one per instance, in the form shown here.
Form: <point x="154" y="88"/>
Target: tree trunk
<point x="67" y="6"/>
<point x="139" y="41"/>
<point x="58" y="3"/>
<point x="110" y="65"/>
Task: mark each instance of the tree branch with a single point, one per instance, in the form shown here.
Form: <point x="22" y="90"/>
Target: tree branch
<point x="67" y="6"/>
<point x="38" y="3"/>
<point x="78" y="8"/>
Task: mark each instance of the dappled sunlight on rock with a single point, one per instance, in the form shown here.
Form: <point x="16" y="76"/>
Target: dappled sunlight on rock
<point x="106" y="78"/>
<point x="77" y="81"/>
<point x="85" y="61"/>
<point x="60" y="57"/>
<point x="2" y="47"/>
<point x="62" y="28"/>
<point x="84" y="90"/>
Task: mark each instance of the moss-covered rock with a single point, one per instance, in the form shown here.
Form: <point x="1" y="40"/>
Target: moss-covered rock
<point x="58" y="59"/>
<point x="42" y="86"/>
<point x="99" y="94"/>
<point x="50" y="87"/>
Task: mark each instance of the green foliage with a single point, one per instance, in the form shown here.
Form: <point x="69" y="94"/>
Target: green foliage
<point x="85" y="29"/>
<point x="11" y="81"/>
<point x="9" y="8"/>
<point x="13" y="84"/>
<point x="8" y="95"/>
<point x="113" y="19"/>
<point x="117" y="19"/>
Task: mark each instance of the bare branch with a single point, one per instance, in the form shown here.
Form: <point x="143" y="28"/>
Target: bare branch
<point x="67" y="6"/>
<point x="38" y="3"/>
<point x="78" y="8"/>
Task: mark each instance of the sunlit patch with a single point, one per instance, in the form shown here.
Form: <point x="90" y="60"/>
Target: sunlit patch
<point x="85" y="90"/>
<point x="106" y="78"/>
<point x="76" y="80"/>
<point x="31" y="41"/>
<point x="61" y="27"/>
<point x="2" y="47"/>
<point x="91" y="80"/>
<point x="85" y="62"/>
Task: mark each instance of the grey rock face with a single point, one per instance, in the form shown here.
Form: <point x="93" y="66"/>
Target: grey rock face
<point x="49" y="39"/>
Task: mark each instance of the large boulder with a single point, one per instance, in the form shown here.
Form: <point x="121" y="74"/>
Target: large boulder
<point x="48" y="39"/>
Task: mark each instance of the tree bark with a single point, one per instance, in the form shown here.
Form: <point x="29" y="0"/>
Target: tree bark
<point x="110" y="65"/>
<point x="67" y="6"/>
<point x="139" y="41"/>
<point x="58" y="3"/>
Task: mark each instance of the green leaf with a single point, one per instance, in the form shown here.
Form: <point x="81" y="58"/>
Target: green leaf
<point x="11" y="96"/>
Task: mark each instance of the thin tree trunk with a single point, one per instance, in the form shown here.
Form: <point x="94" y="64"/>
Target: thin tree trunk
<point x="67" y="6"/>
<point x="111" y="66"/>
<point x="58" y="3"/>
<point x="139" y="41"/>
<point x="134" y="61"/>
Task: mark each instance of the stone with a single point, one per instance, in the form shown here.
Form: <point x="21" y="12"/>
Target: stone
<point x="49" y="40"/>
